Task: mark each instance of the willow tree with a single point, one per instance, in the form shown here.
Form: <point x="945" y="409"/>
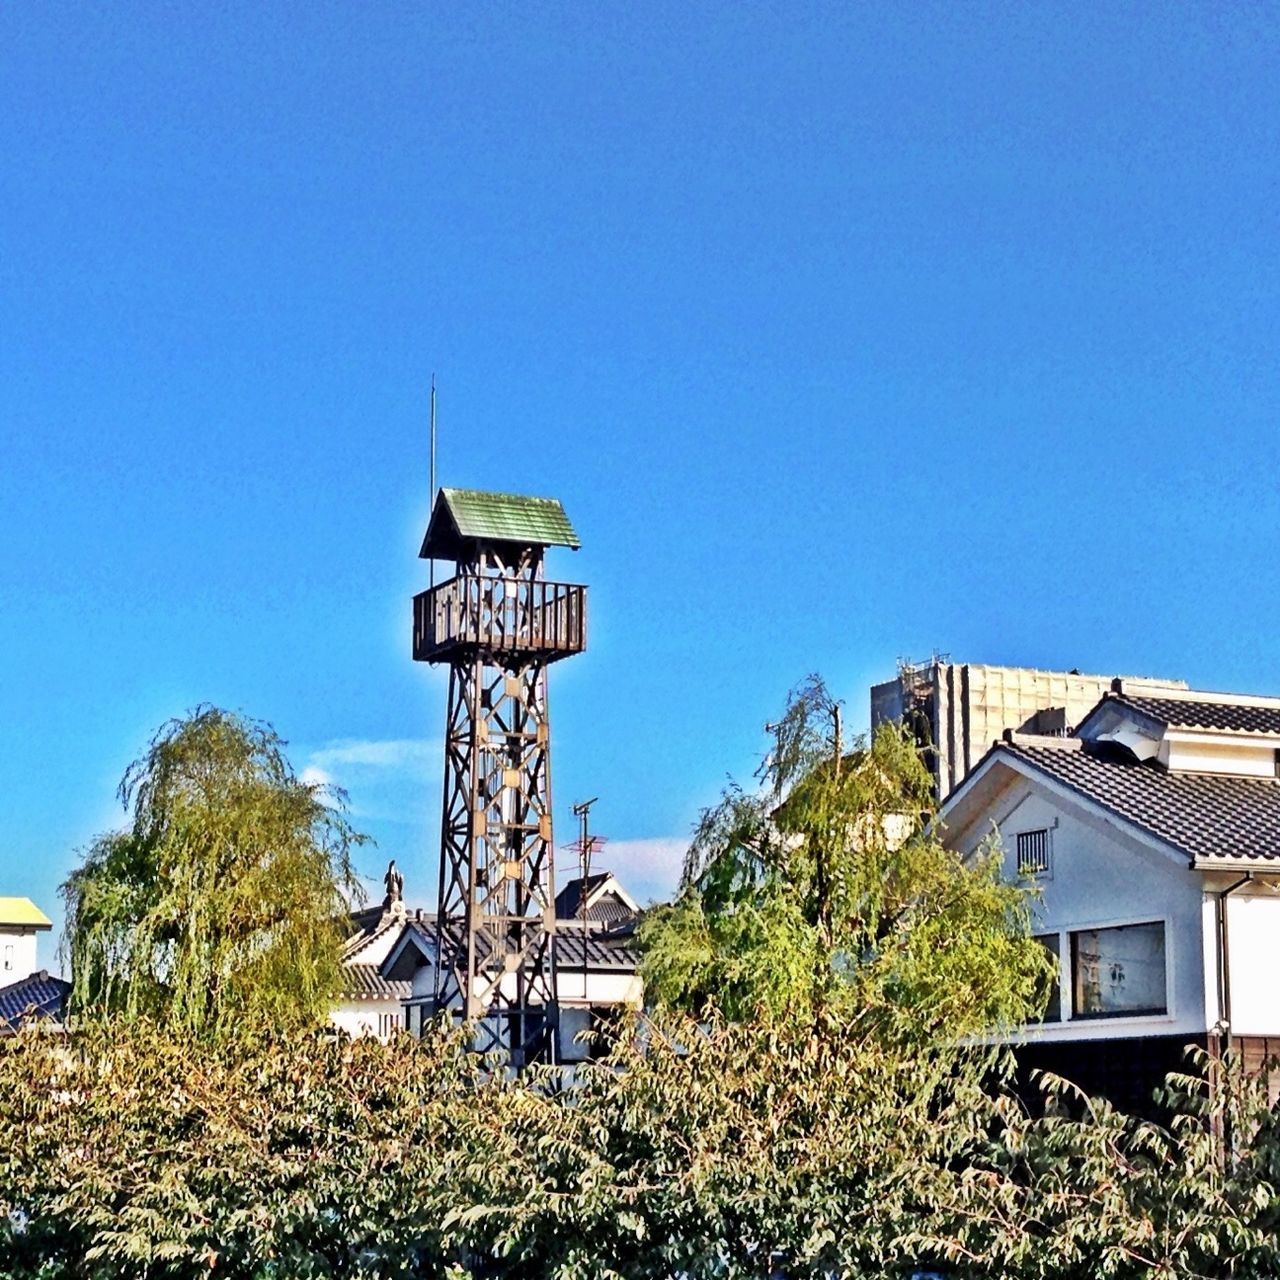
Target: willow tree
<point x="220" y="905"/>
<point x="823" y="899"/>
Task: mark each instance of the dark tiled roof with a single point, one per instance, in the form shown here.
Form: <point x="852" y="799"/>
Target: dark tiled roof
<point x="607" y="909"/>
<point x="364" y="982"/>
<point x="1207" y="816"/>
<point x="1223" y="717"/>
<point x="39" y="994"/>
<point x="569" y="899"/>
<point x="370" y="926"/>
<point x="602" y="950"/>
<point x="365" y="921"/>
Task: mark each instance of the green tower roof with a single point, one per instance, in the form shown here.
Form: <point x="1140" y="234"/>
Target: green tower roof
<point x="474" y="515"/>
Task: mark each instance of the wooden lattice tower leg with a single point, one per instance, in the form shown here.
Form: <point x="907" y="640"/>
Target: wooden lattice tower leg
<point x="498" y="624"/>
<point x="497" y="889"/>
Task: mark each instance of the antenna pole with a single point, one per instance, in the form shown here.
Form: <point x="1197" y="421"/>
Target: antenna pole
<point x="432" y="506"/>
<point x="581" y="812"/>
<point x="433" y="438"/>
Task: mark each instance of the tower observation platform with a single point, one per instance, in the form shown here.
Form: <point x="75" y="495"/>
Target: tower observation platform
<point x="505" y="618"/>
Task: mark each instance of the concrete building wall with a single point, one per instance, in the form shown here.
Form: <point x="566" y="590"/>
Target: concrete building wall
<point x="964" y="707"/>
<point x="579" y="995"/>
<point x="381" y="1018"/>
<point x="17" y="955"/>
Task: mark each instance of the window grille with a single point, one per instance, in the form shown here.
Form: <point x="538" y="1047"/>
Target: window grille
<point x="1033" y="853"/>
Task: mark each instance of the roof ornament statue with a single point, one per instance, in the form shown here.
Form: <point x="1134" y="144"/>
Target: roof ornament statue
<point x="394" y="901"/>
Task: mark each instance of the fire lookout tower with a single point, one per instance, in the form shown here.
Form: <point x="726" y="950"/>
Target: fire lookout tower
<point x="498" y="624"/>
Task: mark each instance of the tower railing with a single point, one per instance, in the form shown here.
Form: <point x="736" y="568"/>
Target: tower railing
<point x="499" y="615"/>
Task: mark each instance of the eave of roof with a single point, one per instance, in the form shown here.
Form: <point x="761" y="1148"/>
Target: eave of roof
<point x="359" y="941"/>
<point x="1197" y="710"/>
<point x="365" y="982"/>
<point x="22" y="913"/>
<point x="606" y="900"/>
<point x="1215" y="717"/>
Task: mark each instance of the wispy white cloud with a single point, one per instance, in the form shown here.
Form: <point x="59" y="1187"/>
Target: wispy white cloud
<point x="650" y="868"/>
<point x="384" y="753"/>
<point x="390" y="779"/>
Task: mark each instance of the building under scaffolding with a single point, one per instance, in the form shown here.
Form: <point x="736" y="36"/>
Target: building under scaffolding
<point x="957" y="710"/>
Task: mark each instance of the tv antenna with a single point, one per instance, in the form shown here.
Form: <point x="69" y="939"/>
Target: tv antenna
<point x="433" y="463"/>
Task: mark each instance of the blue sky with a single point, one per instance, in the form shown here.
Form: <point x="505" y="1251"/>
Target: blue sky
<point x="843" y="333"/>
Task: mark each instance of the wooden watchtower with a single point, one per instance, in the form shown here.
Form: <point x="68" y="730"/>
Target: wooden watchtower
<point x="498" y="624"/>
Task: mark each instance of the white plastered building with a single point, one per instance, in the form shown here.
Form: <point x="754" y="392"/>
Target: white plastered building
<point x="1153" y="836"/>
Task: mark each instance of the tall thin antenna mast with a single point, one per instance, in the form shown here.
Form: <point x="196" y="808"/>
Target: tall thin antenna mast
<point x="582" y="811"/>
<point x="433" y="466"/>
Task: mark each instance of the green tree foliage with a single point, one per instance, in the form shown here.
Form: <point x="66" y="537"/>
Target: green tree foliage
<point x="823" y="900"/>
<point x="700" y="1152"/>
<point x="219" y="907"/>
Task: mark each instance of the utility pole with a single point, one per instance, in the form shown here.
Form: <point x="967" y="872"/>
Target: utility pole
<point x="582" y="811"/>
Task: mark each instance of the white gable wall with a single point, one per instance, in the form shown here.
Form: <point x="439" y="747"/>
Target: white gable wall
<point x="1102" y="876"/>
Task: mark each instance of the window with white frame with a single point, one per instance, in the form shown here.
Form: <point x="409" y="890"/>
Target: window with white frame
<point x="8" y="957"/>
<point x="1118" y="972"/>
<point x="1033" y="853"/>
<point x="388" y="1024"/>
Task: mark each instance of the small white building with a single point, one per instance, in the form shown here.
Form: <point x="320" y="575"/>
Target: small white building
<point x="21" y="921"/>
<point x="370" y="1004"/>
<point x="596" y="963"/>
<point x="25" y="989"/>
<point x="1153" y="836"/>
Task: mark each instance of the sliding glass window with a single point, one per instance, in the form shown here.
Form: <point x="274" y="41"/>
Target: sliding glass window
<point x="1118" y="972"/>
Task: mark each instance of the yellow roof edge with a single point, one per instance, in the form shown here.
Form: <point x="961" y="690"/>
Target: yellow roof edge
<point x="24" y="912"/>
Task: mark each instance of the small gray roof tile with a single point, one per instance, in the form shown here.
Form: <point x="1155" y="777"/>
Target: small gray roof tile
<point x="610" y="950"/>
<point x="1221" y="717"/>
<point x="364" y="982"/>
<point x="37" y="995"/>
<point x="1206" y="816"/>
